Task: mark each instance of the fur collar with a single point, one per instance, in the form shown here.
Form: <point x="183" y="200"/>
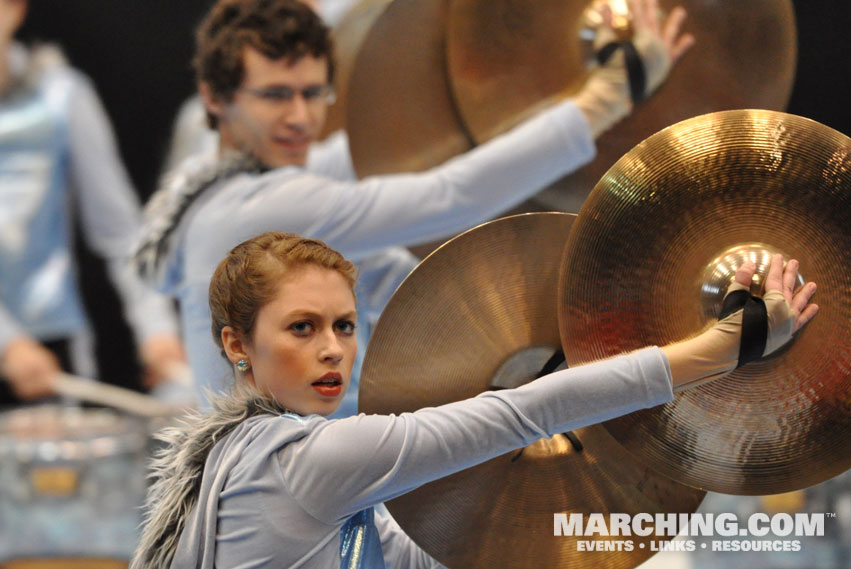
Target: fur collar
<point x="177" y="191"/>
<point x="178" y="466"/>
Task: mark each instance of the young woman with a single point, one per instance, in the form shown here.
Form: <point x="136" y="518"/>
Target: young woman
<point x="265" y="480"/>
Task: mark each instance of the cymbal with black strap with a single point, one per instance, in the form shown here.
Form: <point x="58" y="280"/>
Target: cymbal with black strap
<point x="479" y="314"/>
<point x="655" y="247"/>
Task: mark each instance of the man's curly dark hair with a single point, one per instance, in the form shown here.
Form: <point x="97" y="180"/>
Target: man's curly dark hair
<point x="276" y="28"/>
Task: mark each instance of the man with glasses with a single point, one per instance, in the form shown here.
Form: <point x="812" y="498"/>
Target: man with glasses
<point x="265" y="71"/>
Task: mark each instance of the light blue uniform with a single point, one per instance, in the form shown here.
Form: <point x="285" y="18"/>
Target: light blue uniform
<point x="359" y="218"/>
<point x="278" y="490"/>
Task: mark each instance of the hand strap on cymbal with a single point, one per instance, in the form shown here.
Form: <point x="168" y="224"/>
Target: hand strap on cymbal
<point x="552" y="364"/>
<point x="635" y="72"/>
<point x="754" y="323"/>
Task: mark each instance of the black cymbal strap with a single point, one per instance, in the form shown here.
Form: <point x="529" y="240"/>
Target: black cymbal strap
<point x="635" y="73"/>
<point x="754" y="323"/>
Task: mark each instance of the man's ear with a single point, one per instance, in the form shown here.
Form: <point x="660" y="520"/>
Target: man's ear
<point x="212" y="103"/>
<point x="233" y="344"/>
<point x="22" y="14"/>
<point x="18" y="13"/>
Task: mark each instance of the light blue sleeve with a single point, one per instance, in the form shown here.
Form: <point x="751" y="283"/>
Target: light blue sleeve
<point x="9" y="328"/>
<point x="109" y="208"/>
<point x="346" y="465"/>
<point x="359" y="218"/>
<point x="407" y="209"/>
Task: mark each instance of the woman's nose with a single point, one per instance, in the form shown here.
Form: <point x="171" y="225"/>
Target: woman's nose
<point x="332" y="349"/>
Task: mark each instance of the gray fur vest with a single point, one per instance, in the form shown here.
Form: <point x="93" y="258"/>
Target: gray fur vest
<point x="177" y="468"/>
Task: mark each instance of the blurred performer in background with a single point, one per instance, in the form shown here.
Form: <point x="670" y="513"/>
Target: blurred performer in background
<point x="192" y="135"/>
<point x="265" y="71"/>
<point x="57" y="151"/>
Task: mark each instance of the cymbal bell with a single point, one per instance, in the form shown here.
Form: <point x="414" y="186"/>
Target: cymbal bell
<point x="478" y="314"/>
<point x="649" y="260"/>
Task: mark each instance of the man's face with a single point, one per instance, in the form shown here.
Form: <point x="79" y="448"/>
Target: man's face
<point x="278" y="110"/>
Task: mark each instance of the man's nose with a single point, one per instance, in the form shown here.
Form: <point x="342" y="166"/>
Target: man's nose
<point x="298" y="110"/>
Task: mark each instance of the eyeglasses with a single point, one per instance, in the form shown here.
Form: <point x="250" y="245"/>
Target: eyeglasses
<point x="284" y="94"/>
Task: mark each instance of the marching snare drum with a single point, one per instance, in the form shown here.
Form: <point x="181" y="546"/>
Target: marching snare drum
<point x="72" y="481"/>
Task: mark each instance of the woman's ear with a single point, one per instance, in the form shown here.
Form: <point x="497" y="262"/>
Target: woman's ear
<point x="233" y="344"/>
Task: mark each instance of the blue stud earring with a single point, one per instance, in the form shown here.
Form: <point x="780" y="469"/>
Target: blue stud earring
<point x="243" y="366"/>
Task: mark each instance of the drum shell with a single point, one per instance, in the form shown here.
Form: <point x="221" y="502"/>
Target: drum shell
<point x="72" y="482"/>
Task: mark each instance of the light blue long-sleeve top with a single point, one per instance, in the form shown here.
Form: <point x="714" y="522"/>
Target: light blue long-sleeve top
<point x="359" y="217"/>
<point x="278" y="489"/>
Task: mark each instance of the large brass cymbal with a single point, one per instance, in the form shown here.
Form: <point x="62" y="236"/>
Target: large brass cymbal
<point x="399" y="112"/>
<point x="650" y="256"/>
<point x="506" y="57"/>
<point x="348" y="37"/>
<point x="477" y="312"/>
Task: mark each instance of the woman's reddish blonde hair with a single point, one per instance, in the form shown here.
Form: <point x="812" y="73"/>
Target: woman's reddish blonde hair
<point x="250" y="275"/>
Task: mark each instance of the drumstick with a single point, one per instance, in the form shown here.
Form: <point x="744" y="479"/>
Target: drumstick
<point x="111" y="395"/>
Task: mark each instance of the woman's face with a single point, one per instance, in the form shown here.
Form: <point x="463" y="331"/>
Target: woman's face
<point x="303" y="344"/>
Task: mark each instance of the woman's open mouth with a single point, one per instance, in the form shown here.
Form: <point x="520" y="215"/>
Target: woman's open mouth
<point x="329" y="385"/>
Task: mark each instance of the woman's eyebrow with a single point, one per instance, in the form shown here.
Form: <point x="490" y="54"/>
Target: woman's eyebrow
<point x="307" y="313"/>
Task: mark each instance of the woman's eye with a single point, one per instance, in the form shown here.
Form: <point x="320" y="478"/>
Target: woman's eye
<point x="346" y="327"/>
<point x="301" y="328"/>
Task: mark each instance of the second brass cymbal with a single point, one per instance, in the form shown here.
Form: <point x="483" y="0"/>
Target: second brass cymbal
<point x="507" y="57"/>
<point x="648" y="261"/>
<point x="348" y="37"/>
<point x="479" y="313"/>
<point x="399" y="112"/>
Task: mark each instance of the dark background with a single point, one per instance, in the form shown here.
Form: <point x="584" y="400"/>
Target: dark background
<point x="138" y="51"/>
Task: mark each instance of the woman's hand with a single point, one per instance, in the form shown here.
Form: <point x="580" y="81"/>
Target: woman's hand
<point x="783" y="278"/>
<point x="715" y="353"/>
